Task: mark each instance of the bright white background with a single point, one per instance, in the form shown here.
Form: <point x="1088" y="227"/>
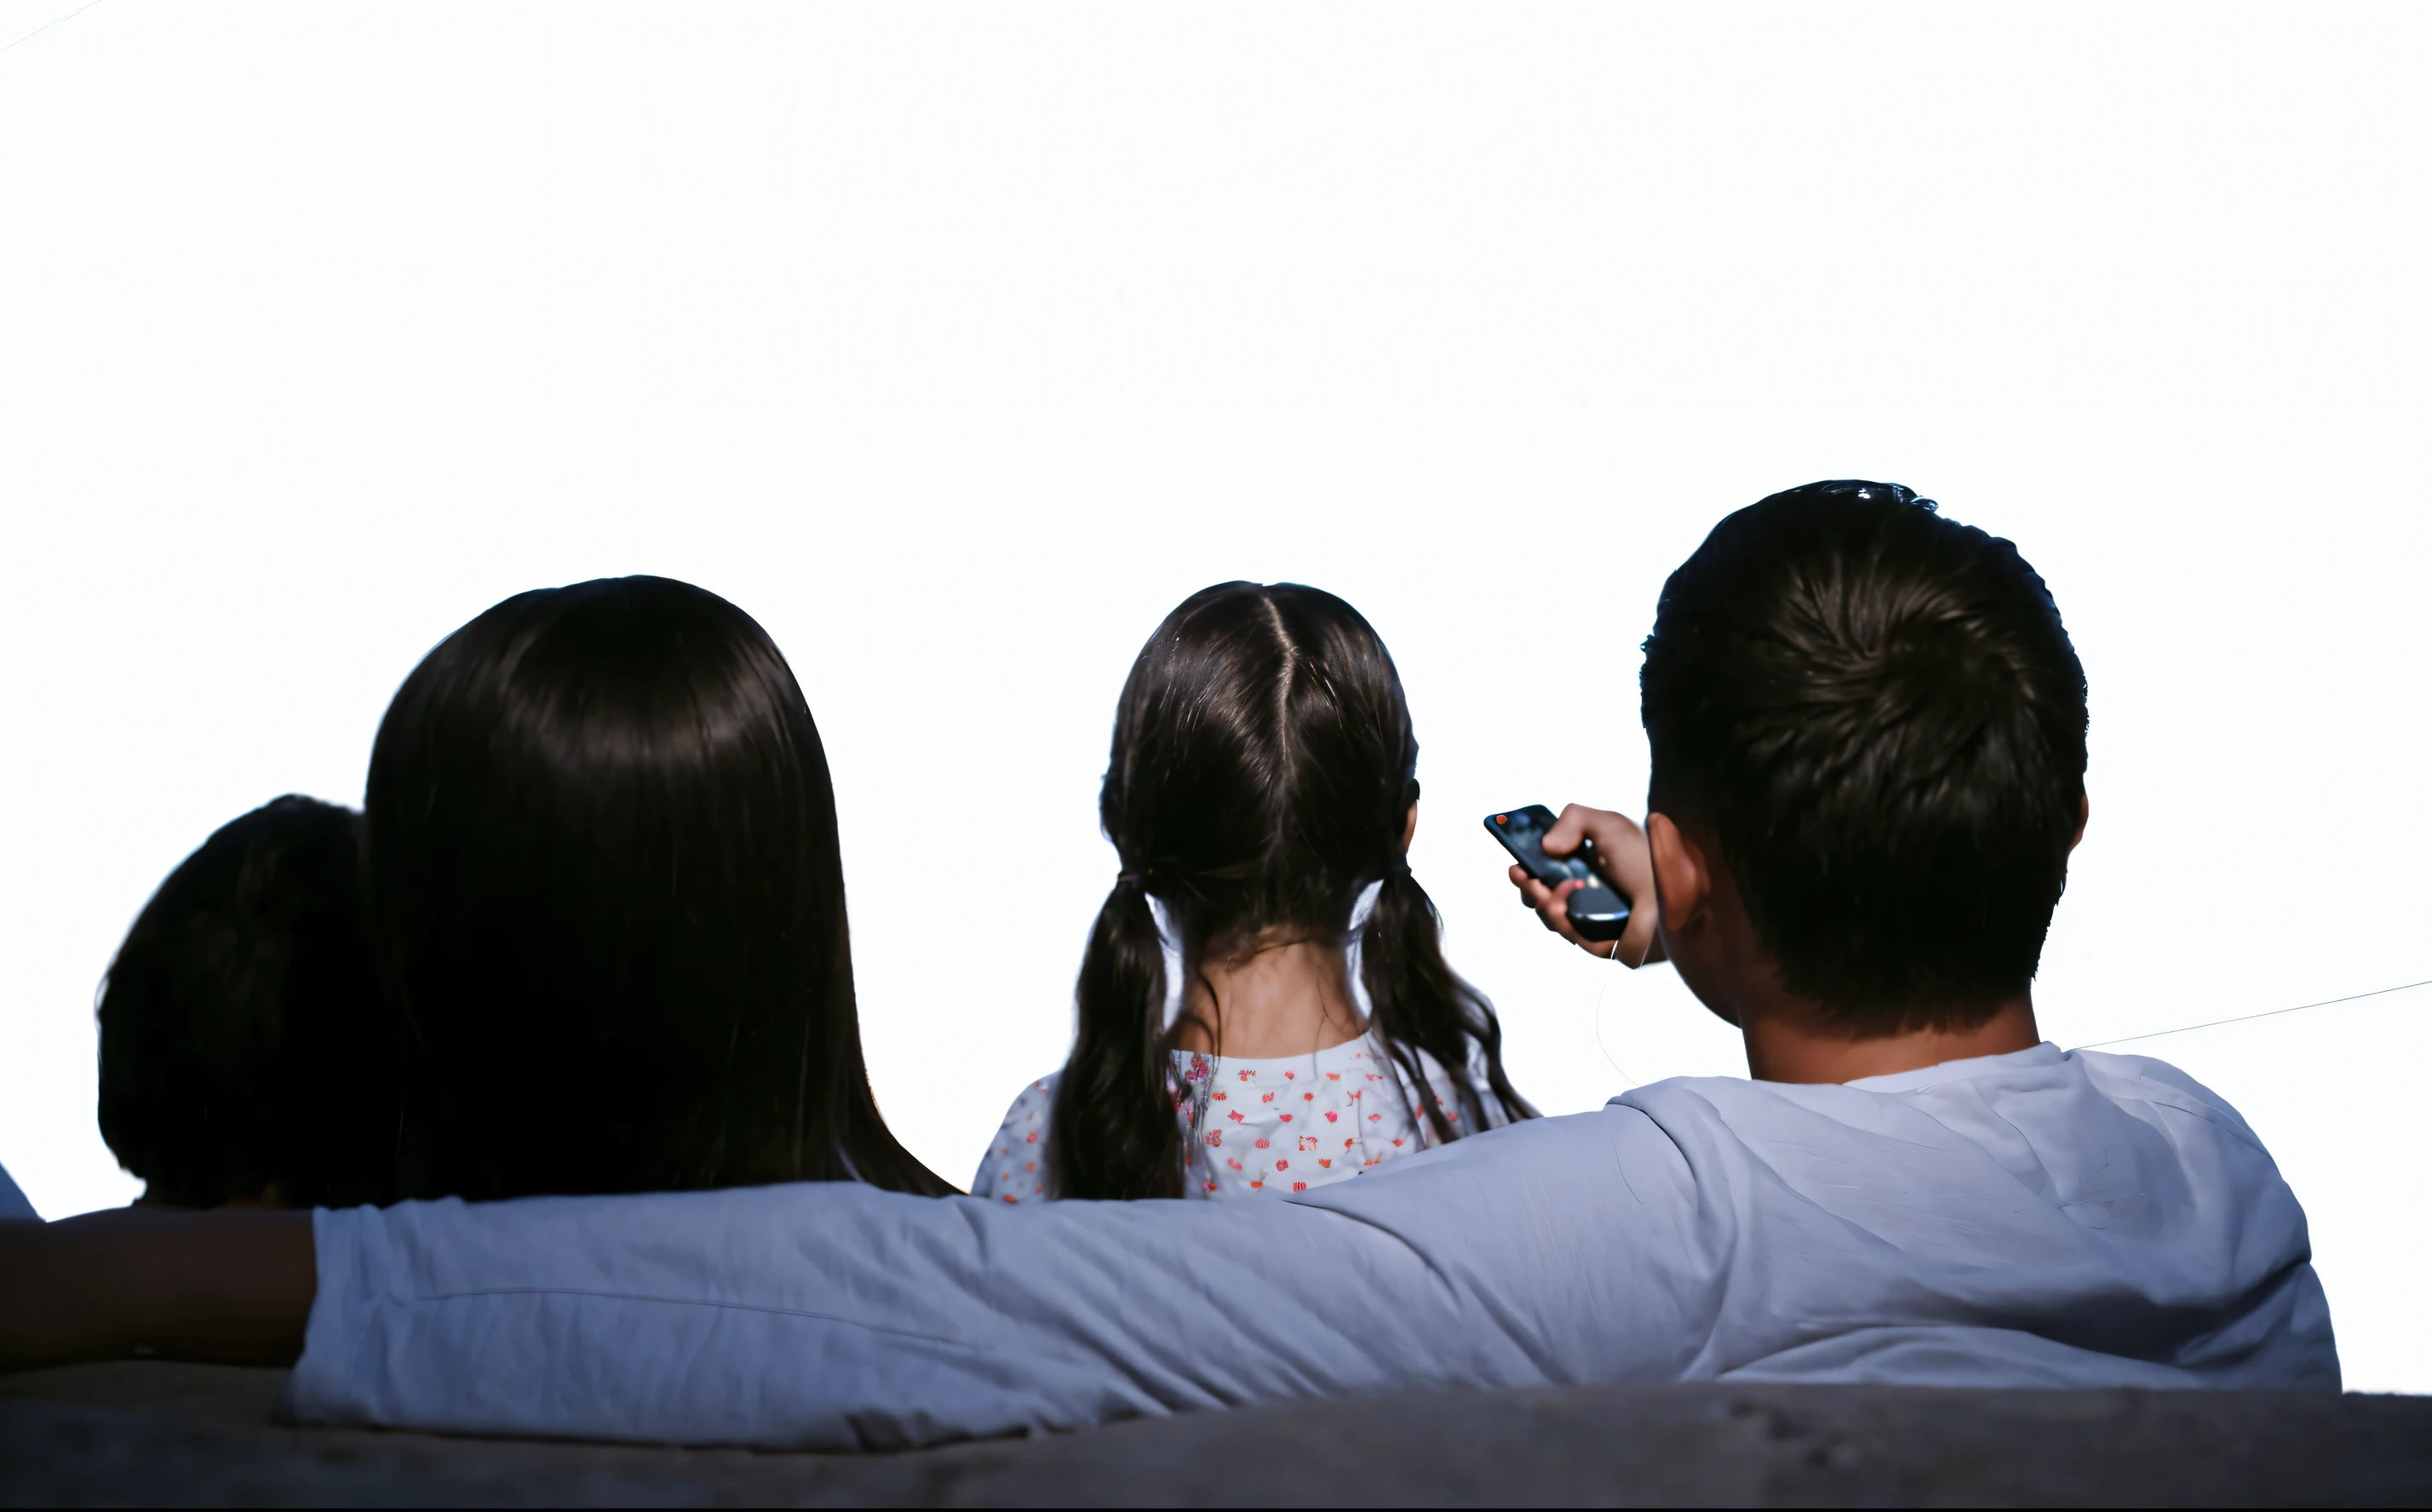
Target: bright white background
<point x="958" y="344"/>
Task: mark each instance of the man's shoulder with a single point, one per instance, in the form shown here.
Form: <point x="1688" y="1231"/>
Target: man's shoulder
<point x="2157" y="1082"/>
<point x="2056" y="1100"/>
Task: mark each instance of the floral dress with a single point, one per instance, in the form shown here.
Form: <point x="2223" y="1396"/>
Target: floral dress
<point x="1282" y="1125"/>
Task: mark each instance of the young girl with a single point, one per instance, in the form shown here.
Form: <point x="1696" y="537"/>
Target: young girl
<point x="1264" y="1005"/>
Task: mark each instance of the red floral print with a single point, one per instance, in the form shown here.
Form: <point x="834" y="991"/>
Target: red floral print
<point x="1269" y="1140"/>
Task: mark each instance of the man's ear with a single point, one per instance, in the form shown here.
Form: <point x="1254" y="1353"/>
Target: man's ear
<point x="1410" y="826"/>
<point x="1683" y="885"/>
<point x="2084" y="811"/>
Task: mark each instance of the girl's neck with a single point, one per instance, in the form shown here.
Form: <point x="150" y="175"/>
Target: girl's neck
<point x="1287" y="998"/>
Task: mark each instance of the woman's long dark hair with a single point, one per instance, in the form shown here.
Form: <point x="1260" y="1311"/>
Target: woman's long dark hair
<point x="606" y="897"/>
<point x="1263" y="768"/>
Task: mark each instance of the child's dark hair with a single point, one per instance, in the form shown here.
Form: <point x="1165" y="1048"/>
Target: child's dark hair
<point x="244" y="1052"/>
<point x="607" y="899"/>
<point x="1877" y="714"/>
<point x="1263" y="768"/>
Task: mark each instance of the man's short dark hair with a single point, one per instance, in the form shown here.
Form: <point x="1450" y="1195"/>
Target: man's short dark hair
<point x="1877" y="716"/>
<point x="243" y="1048"/>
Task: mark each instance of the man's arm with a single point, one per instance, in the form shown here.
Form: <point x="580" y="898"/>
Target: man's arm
<point x="234" y="1286"/>
<point x="835" y="1316"/>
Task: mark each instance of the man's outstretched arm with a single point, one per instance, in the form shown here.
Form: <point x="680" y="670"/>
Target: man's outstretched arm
<point x="836" y="1315"/>
<point x="233" y="1285"/>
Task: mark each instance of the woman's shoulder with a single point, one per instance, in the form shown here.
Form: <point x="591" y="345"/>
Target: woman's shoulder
<point x="1014" y="1169"/>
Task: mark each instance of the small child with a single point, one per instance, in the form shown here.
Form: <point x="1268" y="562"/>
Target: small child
<point x="245" y="1058"/>
<point x="1265" y="1006"/>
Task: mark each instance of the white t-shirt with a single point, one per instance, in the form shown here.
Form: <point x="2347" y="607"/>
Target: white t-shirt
<point x="1283" y="1125"/>
<point x="2040" y="1218"/>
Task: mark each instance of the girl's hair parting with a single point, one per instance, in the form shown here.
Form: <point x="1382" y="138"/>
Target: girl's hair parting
<point x="1262" y="769"/>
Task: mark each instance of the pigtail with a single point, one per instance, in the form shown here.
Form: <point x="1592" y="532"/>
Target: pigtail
<point x="1419" y="1004"/>
<point x="1113" y="1133"/>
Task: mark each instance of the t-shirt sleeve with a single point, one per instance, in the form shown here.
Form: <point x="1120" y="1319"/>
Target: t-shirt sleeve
<point x="833" y="1315"/>
<point x="1015" y="1168"/>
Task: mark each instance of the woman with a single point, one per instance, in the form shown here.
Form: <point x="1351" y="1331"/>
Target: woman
<point x="607" y="901"/>
<point x="1264" y="1004"/>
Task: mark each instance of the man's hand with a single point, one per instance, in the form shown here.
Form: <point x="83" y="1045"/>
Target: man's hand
<point x="1620" y="855"/>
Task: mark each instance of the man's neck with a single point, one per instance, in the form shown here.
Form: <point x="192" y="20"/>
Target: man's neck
<point x="1791" y="1041"/>
<point x="1284" y="999"/>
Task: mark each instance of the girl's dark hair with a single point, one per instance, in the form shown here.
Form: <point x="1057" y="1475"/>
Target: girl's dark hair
<point x="1880" y="716"/>
<point x="244" y="1052"/>
<point x="605" y="895"/>
<point x="1263" y="765"/>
